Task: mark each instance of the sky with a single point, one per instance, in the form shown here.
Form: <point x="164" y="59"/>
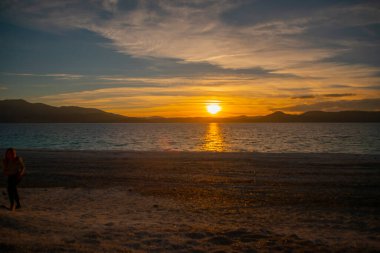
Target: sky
<point x="172" y="58"/>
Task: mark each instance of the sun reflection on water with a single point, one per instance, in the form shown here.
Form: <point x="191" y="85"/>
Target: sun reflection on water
<point x="213" y="140"/>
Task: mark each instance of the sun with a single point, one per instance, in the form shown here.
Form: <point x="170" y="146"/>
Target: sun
<point x="213" y="108"/>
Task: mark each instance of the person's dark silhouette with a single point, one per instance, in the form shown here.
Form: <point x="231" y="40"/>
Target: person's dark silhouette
<point x="14" y="169"/>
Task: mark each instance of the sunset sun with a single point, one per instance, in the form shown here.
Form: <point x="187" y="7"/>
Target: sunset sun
<point x="213" y="108"/>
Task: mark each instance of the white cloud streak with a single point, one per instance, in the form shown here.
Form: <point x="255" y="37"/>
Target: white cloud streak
<point x="194" y="35"/>
<point x="60" y="76"/>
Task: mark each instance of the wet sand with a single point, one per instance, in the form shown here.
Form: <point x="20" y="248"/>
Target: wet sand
<point x="194" y="202"/>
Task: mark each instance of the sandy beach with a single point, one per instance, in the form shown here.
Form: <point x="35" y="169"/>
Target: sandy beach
<point x="93" y="201"/>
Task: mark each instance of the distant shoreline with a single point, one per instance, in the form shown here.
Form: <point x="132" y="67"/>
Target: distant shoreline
<point x="193" y="153"/>
<point x="200" y="154"/>
<point x="19" y="110"/>
<point x="211" y="122"/>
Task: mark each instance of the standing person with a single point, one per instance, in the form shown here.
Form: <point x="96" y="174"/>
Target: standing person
<point x="13" y="168"/>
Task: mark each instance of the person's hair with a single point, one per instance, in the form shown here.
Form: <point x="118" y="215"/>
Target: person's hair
<point x="6" y="160"/>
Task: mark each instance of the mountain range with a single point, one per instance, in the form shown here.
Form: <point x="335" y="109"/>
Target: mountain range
<point x="21" y="111"/>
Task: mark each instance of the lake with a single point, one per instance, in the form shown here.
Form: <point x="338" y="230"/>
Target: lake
<point x="359" y="138"/>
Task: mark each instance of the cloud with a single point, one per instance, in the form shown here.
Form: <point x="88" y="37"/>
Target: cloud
<point x="59" y="76"/>
<point x="372" y="87"/>
<point x="334" y="71"/>
<point x="340" y="105"/>
<point x="194" y="35"/>
<point x="123" y="92"/>
<point x="303" y="97"/>
<point x="339" y="95"/>
<point x="339" y="86"/>
<point x="331" y="95"/>
<point x="195" y="32"/>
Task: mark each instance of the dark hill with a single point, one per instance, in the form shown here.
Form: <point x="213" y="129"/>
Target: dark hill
<point x="23" y="111"/>
<point x="343" y="116"/>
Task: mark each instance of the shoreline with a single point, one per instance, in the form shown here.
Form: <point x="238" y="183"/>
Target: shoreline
<point x="193" y="152"/>
<point x="207" y="122"/>
<point x="118" y="201"/>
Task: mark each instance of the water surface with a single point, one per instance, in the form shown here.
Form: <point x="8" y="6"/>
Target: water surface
<point x="361" y="138"/>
